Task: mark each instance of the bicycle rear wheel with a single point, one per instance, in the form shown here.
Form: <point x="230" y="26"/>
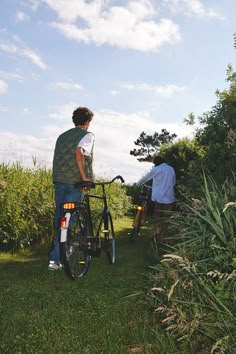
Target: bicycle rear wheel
<point x="135" y="232"/>
<point x="74" y="255"/>
<point x="109" y="239"/>
<point x="136" y="226"/>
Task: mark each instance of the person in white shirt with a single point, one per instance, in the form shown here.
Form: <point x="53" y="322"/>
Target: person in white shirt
<point x="163" y="182"/>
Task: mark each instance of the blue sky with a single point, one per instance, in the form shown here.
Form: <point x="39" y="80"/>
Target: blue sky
<point x="139" y="65"/>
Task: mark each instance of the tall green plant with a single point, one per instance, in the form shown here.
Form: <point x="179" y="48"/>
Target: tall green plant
<point x="206" y="229"/>
<point x="193" y="287"/>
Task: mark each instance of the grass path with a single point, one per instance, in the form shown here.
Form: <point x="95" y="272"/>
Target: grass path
<point x="45" y="312"/>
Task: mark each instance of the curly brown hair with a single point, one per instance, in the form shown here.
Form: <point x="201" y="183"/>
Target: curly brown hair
<point x="81" y="115"/>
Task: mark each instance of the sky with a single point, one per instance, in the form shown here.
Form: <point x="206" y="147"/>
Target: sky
<point x="139" y="65"/>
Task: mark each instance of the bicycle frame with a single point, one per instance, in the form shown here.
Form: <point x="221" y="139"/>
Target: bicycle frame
<point x="77" y="224"/>
<point x="104" y="220"/>
<point x="140" y="211"/>
<point x="105" y="211"/>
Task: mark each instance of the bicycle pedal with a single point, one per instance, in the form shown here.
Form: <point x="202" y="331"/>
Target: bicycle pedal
<point x="91" y="244"/>
<point x="94" y="252"/>
<point x="90" y="239"/>
<point x="98" y="252"/>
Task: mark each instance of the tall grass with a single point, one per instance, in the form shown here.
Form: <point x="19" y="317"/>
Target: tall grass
<point x="27" y="205"/>
<point x="26" y="201"/>
<point x="193" y="290"/>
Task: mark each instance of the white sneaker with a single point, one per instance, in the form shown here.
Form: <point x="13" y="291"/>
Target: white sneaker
<point x="54" y="266"/>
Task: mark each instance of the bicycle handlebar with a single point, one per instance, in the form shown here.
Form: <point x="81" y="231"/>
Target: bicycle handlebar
<point x="90" y="184"/>
<point x="120" y="178"/>
<point x="109" y="182"/>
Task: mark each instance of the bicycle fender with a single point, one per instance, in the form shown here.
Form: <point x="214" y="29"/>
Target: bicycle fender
<point x="64" y="229"/>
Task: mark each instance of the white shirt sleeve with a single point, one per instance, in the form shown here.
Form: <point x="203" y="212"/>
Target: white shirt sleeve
<point x="86" y="143"/>
<point x="147" y="177"/>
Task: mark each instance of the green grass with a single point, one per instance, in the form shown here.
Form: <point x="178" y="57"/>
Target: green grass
<point x="105" y="312"/>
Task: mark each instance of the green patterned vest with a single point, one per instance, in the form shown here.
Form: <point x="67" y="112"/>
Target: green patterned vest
<point x="65" y="168"/>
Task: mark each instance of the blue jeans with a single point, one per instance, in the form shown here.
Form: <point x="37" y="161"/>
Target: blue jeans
<point x="64" y="192"/>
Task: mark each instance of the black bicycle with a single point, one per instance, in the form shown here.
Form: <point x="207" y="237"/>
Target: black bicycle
<point x="140" y="215"/>
<point x="79" y="243"/>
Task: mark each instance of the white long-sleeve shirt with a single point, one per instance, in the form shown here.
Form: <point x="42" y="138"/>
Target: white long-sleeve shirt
<point x="163" y="182"/>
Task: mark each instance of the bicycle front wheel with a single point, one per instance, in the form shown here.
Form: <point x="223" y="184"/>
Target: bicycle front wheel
<point x="75" y="257"/>
<point x="109" y="239"/>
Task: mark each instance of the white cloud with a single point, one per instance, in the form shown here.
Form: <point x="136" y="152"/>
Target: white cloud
<point x="192" y="8"/>
<point x="3" y="109"/>
<point x="111" y="151"/>
<point x="26" y="110"/>
<point x="35" y="76"/>
<point x="35" y="58"/>
<point x="9" y="48"/>
<point x="10" y="75"/>
<point x="114" y="93"/>
<point x="3" y="87"/>
<point x="64" y="112"/>
<point x="66" y="86"/>
<point x="21" y="16"/>
<point x="23" y="148"/>
<point x="32" y="4"/>
<point x="162" y="90"/>
<point x="24" y="52"/>
<point x="70" y="11"/>
<point x="132" y="26"/>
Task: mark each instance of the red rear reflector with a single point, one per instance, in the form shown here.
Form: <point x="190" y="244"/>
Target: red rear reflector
<point x="63" y="222"/>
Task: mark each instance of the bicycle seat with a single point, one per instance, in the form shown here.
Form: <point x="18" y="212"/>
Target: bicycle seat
<point x="85" y="184"/>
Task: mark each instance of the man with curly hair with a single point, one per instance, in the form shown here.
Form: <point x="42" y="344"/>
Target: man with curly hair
<point x="72" y="163"/>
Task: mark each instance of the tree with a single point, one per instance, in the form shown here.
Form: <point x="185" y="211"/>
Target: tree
<point x="182" y="155"/>
<point x="217" y="134"/>
<point x="149" y="145"/>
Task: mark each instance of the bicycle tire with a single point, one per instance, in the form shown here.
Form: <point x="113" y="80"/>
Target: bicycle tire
<point x="135" y="233"/>
<point x="109" y="242"/>
<point x="136" y="227"/>
<point x="74" y="255"/>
